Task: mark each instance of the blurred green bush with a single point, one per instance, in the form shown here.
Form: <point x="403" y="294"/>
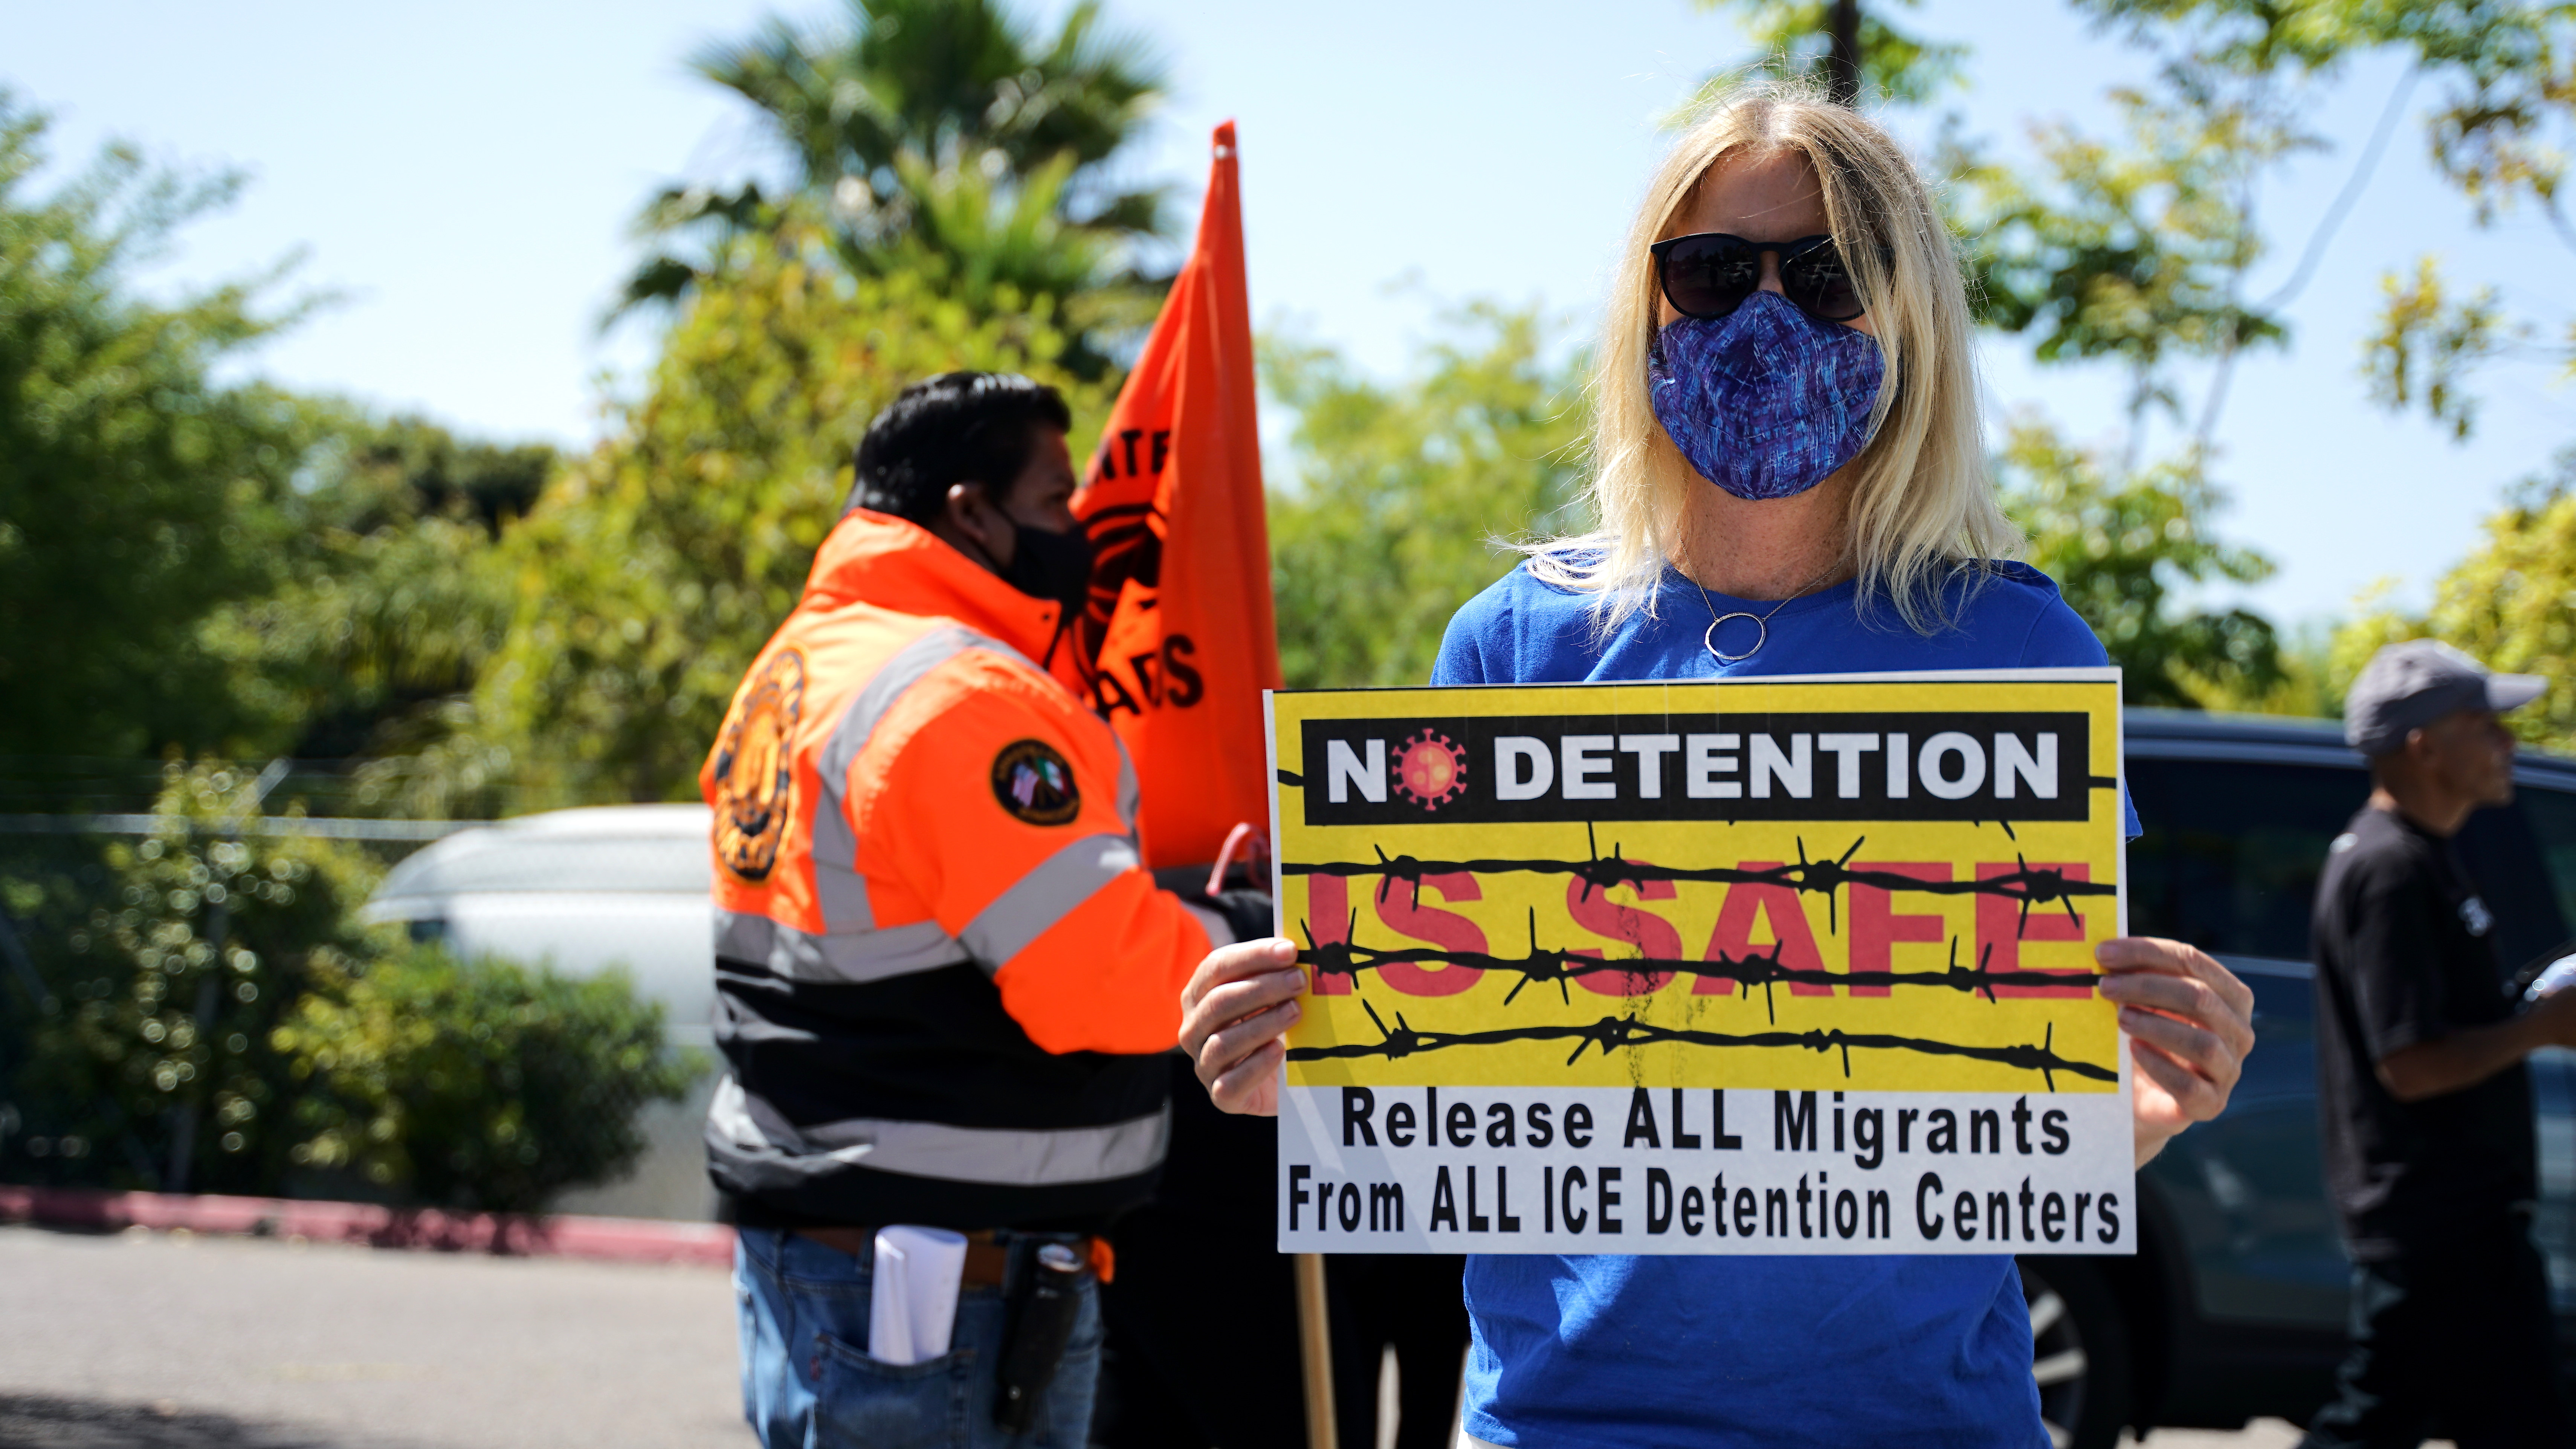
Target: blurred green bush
<point x="201" y="1010"/>
<point x="138" y="1051"/>
<point x="479" y="1084"/>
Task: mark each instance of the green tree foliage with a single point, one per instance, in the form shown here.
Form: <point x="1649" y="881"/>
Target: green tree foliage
<point x="2120" y="544"/>
<point x="2428" y="341"/>
<point x="187" y="563"/>
<point x="410" y="467"/>
<point x="192" y="566"/>
<point x="481" y="1085"/>
<point x="2501" y="128"/>
<point x="390" y="595"/>
<point x="157" y="970"/>
<point x="2132" y="252"/>
<point x="2511" y="603"/>
<point x="2500" y="133"/>
<point x="945" y="139"/>
<point x="650" y="571"/>
<point x="1397" y="498"/>
<point x="136" y="491"/>
<point x="1796" y="37"/>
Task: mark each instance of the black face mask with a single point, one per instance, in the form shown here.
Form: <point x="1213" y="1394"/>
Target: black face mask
<point x="1047" y="565"/>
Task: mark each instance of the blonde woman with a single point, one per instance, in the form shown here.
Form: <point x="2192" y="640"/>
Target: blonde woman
<point x="1789" y="479"/>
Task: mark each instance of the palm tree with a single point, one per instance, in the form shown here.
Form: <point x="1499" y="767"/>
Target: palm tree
<point x="939" y="136"/>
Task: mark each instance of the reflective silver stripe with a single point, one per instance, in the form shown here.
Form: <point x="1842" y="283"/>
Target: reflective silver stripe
<point x="1220" y="931"/>
<point x="1000" y="1156"/>
<point x="909" y="665"/>
<point x="1039" y="899"/>
<point x="839" y="888"/>
<point x="846" y="957"/>
<point x="741" y="936"/>
<point x="1130" y="793"/>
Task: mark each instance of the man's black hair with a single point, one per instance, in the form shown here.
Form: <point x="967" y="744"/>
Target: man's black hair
<point x="958" y="427"/>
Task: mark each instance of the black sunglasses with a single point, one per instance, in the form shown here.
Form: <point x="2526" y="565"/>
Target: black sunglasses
<point x="1710" y="274"/>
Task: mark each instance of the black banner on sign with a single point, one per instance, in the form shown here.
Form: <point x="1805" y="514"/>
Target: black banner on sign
<point x="1815" y="766"/>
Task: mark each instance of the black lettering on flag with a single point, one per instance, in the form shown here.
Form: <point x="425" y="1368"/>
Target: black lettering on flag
<point x="1188" y="685"/>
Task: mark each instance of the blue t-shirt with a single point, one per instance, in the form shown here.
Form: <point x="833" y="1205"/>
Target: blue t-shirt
<point x="1573" y="1352"/>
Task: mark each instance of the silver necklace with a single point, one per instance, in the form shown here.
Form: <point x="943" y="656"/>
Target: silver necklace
<point x="1761" y="621"/>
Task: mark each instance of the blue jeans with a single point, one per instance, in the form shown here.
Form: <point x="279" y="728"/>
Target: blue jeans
<point x="808" y="1383"/>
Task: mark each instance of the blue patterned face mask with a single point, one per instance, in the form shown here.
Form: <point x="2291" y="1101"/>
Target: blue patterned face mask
<point x="1765" y="401"/>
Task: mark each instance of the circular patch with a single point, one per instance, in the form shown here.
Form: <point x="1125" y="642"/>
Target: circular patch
<point x="1431" y="769"/>
<point x="755" y="769"/>
<point x="1035" y="784"/>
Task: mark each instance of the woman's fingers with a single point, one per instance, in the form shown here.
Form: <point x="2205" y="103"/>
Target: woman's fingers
<point x="2201" y="1052"/>
<point x="2128" y="954"/>
<point x="2190" y="1023"/>
<point x="2194" y="1098"/>
<point x="1235" y="982"/>
<point x="1237" y="1005"/>
<point x="1226" y="1048"/>
<point x="1233" y="1001"/>
<point x="1252" y="1085"/>
<point x="1237" y="962"/>
<point x="2192" y="1001"/>
<point x="1236" y="1000"/>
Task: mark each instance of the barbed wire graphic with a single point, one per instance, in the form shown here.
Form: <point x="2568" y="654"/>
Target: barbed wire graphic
<point x="2027" y="884"/>
<point x="1619" y="1032"/>
<point x="1346" y="957"/>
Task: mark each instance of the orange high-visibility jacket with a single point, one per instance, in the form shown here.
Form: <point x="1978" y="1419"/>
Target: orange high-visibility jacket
<point x="941" y="970"/>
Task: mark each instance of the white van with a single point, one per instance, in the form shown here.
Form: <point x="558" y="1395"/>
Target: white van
<point x="582" y="890"/>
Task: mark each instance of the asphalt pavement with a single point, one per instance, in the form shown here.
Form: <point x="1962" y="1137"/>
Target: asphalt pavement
<point x="142" y="1340"/>
<point x="139" y="1340"/>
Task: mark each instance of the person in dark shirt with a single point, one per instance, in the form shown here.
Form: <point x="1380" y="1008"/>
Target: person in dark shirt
<point x="2420" y="1078"/>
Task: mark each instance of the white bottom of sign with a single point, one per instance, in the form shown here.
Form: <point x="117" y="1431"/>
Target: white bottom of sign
<point x="1694" y="1170"/>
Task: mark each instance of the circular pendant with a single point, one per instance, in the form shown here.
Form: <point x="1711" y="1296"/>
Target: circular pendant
<point x="1761" y="638"/>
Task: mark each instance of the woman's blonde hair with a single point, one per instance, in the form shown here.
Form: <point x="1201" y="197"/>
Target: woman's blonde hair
<point x="1924" y="503"/>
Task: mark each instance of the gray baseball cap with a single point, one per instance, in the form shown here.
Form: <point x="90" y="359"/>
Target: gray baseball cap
<point x="2408" y="686"/>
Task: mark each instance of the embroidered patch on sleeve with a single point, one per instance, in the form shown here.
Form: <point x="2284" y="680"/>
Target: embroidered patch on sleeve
<point x="1035" y="784"/>
<point x="755" y="767"/>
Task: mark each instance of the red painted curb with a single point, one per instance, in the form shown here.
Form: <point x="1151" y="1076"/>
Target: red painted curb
<point x="614" y="1240"/>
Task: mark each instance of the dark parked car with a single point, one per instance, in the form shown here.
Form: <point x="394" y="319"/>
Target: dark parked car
<point x="2234" y="1306"/>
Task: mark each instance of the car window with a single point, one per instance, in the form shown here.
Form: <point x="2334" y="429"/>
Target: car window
<point x="2553" y="826"/>
<point x="2523" y="858"/>
<point x="2231" y="852"/>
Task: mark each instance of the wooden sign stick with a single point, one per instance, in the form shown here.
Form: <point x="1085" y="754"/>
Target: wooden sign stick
<point x="1315" y="1342"/>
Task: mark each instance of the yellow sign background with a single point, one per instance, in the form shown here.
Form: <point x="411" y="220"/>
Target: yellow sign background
<point x="1510" y="910"/>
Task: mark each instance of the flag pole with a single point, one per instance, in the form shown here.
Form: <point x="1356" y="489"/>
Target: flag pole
<point x="1315" y="1342"/>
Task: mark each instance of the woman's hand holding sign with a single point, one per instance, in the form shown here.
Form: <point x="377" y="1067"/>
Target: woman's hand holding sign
<point x="1237" y="1006"/>
<point x="2190" y="1023"/>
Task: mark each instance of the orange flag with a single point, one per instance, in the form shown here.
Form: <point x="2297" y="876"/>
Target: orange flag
<point x="1178" y="640"/>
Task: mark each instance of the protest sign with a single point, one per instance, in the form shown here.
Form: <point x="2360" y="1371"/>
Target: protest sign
<point x="1785" y="965"/>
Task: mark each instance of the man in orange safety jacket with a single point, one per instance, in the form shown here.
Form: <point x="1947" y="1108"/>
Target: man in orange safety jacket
<point x="943" y="977"/>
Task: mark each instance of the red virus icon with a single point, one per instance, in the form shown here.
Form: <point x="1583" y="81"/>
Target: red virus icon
<point x="1431" y="769"/>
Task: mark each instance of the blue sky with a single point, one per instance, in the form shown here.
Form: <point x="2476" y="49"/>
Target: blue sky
<point x="463" y="176"/>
